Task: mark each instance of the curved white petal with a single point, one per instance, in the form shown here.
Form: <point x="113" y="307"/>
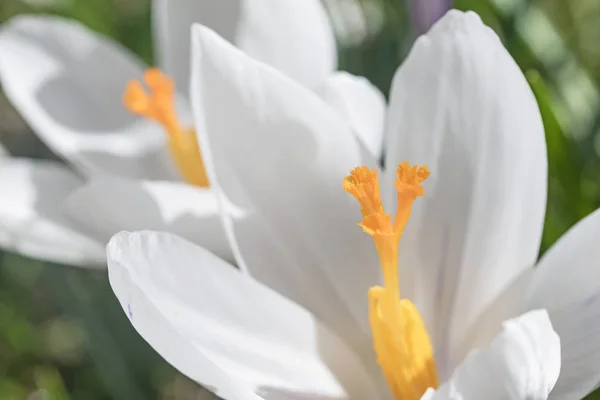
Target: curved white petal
<point x="67" y="82"/>
<point x="507" y="305"/>
<point x="522" y="363"/>
<point x="294" y="36"/>
<point x="105" y="206"/>
<point x="429" y="394"/>
<point x="31" y="218"/>
<point x="461" y="105"/>
<point x="361" y="103"/>
<point x="227" y="323"/>
<point x="280" y="153"/>
<point x="567" y="283"/>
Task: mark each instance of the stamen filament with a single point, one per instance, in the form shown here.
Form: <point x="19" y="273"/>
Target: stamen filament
<point x="400" y="338"/>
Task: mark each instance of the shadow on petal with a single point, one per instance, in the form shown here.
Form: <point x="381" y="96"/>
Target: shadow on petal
<point x="343" y="369"/>
<point x="68" y="84"/>
<point x="154" y="165"/>
<point x="81" y="82"/>
<point x="108" y="205"/>
<point x="32" y="222"/>
<point x="268" y="393"/>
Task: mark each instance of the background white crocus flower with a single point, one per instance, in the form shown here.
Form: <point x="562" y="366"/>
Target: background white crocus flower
<point x="68" y="84"/>
<point x="292" y="323"/>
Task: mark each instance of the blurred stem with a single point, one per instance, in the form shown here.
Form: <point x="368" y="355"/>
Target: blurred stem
<point x="112" y="368"/>
<point x="48" y="380"/>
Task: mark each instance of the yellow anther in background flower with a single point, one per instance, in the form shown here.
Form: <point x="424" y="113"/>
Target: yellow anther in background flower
<point x="400" y="339"/>
<point x="159" y="105"/>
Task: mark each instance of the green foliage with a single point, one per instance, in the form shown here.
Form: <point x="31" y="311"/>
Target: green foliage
<point x="63" y="333"/>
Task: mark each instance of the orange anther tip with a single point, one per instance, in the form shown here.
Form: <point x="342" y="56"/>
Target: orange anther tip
<point x="153" y="75"/>
<point x="363" y="184"/>
<point x="411" y="175"/>
<point x="135" y="98"/>
<point x="157" y="81"/>
<point x="360" y="176"/>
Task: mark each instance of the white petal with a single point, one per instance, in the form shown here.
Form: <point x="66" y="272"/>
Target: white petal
<point x="567" y="283"/>
<point x="429" y="394"/>
<point x="293" y="36"/>
<point x="508" y="305"/>
<point x="461" y="105"/>
<point x="280" y="153"/>
<point x="108" y="205"/>
<point x="522" y="363"/>
<point x="361" y="103"/>
<point x="227" y="323"/>
<point x="31" y="219"/>
<point x="67" y="82"/>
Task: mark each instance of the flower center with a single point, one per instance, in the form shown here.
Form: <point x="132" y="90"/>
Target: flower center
<point x="158" y="105"/>
<point x="403" y="348"/>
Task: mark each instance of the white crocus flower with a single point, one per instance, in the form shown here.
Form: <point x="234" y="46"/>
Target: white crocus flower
<point x="68" y="83"/>
<point x="294" y="321"/>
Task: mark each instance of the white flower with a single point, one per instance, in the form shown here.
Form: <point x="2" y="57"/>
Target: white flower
<point x="293" y="322"/>
<point x="68" y="84"/>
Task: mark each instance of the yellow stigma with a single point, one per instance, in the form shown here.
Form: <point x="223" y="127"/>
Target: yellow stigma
<point x="158" y="105"/>
<point x="403" y="348"/>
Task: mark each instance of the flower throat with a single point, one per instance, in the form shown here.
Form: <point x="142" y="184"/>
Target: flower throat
<point x="403" y="348"/>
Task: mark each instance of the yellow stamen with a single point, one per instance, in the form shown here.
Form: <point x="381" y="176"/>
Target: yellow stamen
<point x="400" y="339"/>
<point x="158" y="105"/>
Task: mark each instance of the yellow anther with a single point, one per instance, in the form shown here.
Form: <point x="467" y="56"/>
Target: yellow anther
<point x="402" y="345"/>
<point x="400" y="339"/>
<point x="159" y="105"/>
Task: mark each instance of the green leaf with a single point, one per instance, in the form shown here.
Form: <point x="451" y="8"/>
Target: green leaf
<point x="566" y="205"/>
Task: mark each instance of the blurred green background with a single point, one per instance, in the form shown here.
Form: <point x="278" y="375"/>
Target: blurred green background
<point x="62" y="333"/>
